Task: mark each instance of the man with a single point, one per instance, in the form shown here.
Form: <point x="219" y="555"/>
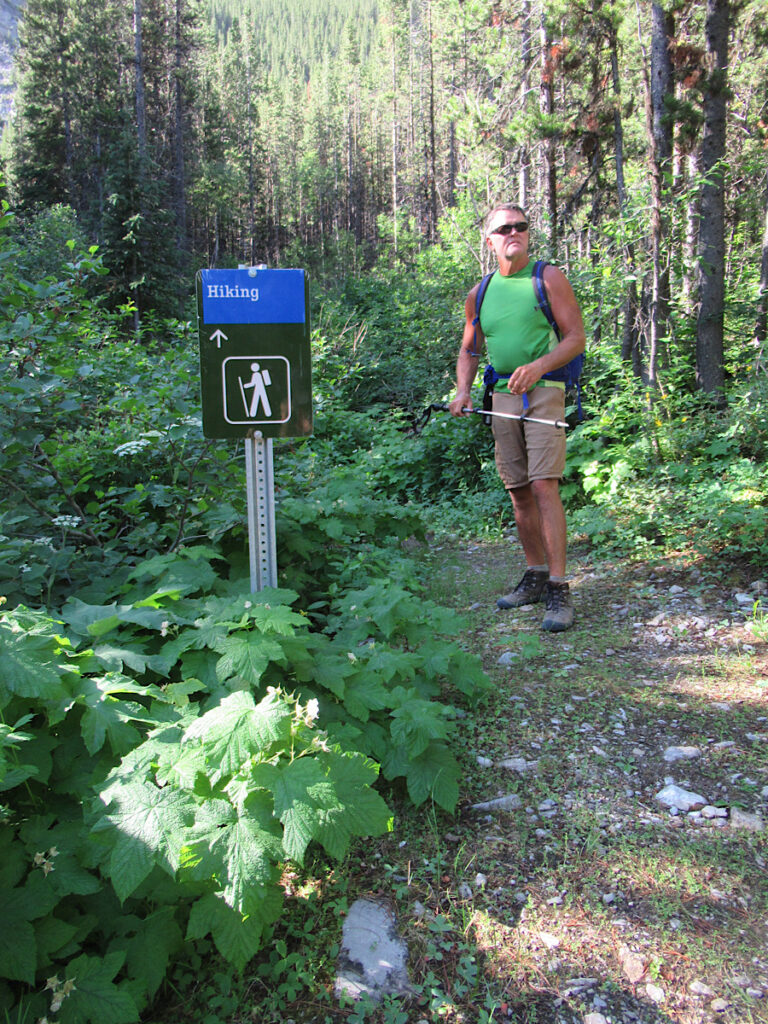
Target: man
<point x="530" y="457"/>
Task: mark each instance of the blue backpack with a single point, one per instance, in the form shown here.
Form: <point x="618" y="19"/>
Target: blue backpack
<point x="570" y="374"/>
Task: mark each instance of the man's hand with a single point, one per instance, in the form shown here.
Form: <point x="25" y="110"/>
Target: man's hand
<point x="524" y="378"/>
<point x="461" y="401"/>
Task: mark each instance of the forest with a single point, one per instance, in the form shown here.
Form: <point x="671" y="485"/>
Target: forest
<point x="190" y="773"/>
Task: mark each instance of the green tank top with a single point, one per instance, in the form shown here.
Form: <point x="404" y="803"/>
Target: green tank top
<point x="516" y="331"/>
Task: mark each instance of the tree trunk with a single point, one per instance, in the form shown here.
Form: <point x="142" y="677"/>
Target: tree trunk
<point x="691" y="236"/>
<point x="761" y="324"/>
<point x="709" y="326"/>
<point x="141" y="107"/>
<point x="525" y="87"/>
<point x="629" y="342"/>
<point x="432" y="145"/>
<point x="546" y="100"/>
<point x="179" y="175"/>
<point x="660" y="149"/>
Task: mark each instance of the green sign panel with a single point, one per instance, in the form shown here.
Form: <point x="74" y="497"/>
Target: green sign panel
<point x="255" y="359"/>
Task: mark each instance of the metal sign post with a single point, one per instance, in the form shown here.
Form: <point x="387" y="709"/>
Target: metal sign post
<point x="262" y="539"/>
<point x="256" y="381"/>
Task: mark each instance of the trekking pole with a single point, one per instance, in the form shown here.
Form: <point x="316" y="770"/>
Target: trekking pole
<point x="443" y="407"/>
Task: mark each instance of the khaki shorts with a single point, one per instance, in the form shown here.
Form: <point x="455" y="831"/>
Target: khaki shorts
<point x="529" y="451"/>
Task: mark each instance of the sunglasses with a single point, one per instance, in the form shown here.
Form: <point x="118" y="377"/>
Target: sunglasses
<point x="507" y="229"/>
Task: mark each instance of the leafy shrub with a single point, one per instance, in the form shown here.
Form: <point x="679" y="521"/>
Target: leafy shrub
<point x="167" y="748"/>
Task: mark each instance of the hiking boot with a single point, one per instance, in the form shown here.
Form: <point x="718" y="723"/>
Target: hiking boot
<point x="527" y="591"/>
<point x="559" y="615"/>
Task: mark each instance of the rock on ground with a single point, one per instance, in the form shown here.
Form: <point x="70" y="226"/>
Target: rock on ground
<point x="373" y="959"/>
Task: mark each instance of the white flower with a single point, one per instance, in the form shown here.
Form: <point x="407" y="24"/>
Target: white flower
<point x="66" y="522"/>
<point x="312" y="710"/>
<point x="131" y="447"/>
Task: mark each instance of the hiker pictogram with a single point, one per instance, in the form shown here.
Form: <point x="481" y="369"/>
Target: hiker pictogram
<point x="257" y="386"/>
<point x="256" y="389"/>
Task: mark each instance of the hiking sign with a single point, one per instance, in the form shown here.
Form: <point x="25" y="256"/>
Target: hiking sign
<point x="255" y="361"/>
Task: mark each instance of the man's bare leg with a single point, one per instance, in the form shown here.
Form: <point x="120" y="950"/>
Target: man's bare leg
<point x="528" y="520"/>
<point x="541" y="527"/>
<point x="552" y="525"/>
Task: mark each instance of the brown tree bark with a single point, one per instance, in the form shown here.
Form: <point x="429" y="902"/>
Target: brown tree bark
<point x="709" y="325"/>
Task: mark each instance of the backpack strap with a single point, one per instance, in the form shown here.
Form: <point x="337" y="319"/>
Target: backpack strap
<point x="479" y="296"/>
<point x="541" y="295"/>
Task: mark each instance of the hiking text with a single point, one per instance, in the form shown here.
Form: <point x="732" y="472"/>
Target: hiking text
<point x="232" y="291"/>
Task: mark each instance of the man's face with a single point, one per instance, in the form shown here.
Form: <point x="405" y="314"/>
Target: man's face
<point x="504" y="234"/>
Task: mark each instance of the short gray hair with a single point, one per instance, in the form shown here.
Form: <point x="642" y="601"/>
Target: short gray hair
<point x="512" y="207"/>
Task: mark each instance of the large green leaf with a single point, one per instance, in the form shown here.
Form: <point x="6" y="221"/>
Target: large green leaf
<point x="302" y="791"/>
<point x="365" y="693"/>
<point x="18" y="908"/>
<point x="18" y="948"/>
<point x="360" y="810"/>
<point x="31" y="666"/>
<point x="149" y="946"/>
<point x="63" y="845"/>
<point x="237" y="728"/>
<point x="107" y="718"/>
<point x="247" y="655"/>
<point x="97" y="620"/>
<point x="95" y="997"/>
<point x="149" y="828"/>
<point x="434" y="774"/>
<point x="239" y="849"/>
<point x="237" y="936"/>
<point x="279" y="619"/>
<point x="416" y="722"/>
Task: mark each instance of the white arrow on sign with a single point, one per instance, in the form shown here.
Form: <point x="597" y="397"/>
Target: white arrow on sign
<point x="218" y="336"/>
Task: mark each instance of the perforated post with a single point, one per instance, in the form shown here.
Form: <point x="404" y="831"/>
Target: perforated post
<point x="260" y="484"/>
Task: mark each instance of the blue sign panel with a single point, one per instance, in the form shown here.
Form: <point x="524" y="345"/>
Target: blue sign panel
<point x="253" y="296"/>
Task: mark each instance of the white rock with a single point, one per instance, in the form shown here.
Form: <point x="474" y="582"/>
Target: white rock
<point x="511" y="802"/>
<point x="480" y="880"/>
<point x="550" y="941"/>
<point x="719" y="1005"/>
<point x="595" y="1018"/>
<point x="507" y="658"/>
<point x="655" y="992"/>
<point x="748" y="822"/>
<point x="714" y="812"/>
<point x="373" y="958"/>
<point x="465" y="891"/>
<point x="682" y="799"/>
<point x="672" y="754"/>
<point x="514" y="764"/>
<point x="485" y="762"/>
<point x="698" y="988"/>
<point x="579" y="984"/>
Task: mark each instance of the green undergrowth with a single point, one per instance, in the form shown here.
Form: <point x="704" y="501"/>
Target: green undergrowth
<point x="167" y="750"/>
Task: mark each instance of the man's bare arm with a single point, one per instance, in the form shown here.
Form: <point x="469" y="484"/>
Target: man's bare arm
<point x="467" y="362"/>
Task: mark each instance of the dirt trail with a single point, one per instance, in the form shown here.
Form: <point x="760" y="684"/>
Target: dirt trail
<point x="594" y="898"/>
